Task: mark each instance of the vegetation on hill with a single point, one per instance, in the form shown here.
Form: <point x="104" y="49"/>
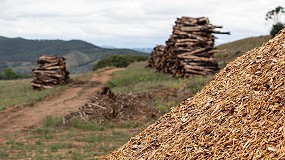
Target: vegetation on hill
<point x="237" y="48"/>
<point x="20" y="54"/>
<point x="8" y="74"/>
<point x="119" y="61"/>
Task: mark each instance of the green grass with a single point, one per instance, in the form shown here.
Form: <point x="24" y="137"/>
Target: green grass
<point x="19" y="92"/>
<point x="15" y="92"/>
<point x="80" y="140"/>
<point x="119" y="60"/>
<point x="136" y="78"/>
<point x="87" y="126"/>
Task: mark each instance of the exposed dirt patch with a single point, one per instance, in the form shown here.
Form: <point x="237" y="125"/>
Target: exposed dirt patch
<point x="23" y="118"/>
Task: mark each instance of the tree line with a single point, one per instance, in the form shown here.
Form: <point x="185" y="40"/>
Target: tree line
<point x="119" y="60"/>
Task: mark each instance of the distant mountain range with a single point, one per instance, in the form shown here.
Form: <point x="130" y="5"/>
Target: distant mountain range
<point x="145" y="50"/>
<point x="20" y="54"/>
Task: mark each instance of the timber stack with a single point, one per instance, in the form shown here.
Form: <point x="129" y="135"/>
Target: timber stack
<point x="49" y="71"/>
<point x="189" y="50"/>
<point x="158" y="54"/>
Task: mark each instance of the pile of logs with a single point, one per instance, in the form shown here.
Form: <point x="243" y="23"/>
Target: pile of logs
<point x="158" y="51"/>
<point x="189" y="50"/>
<point x="49" y="71"/>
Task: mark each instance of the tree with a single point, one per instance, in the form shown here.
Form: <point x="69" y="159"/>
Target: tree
<point x="274" y="17"/>
<point x="8" y="73"/>
<point x="276" y="28"/>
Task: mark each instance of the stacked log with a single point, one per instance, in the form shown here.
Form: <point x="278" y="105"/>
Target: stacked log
<point x="49" y="71"/>
<point x="156" y="57"/>
<point x="189" y="50"/>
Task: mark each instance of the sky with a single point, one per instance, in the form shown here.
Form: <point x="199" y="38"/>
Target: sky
<point x="129" y="23"/>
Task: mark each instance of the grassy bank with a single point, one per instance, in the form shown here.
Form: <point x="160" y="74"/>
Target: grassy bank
<point x="136" y="78"/>
<point x="17" y="92"/>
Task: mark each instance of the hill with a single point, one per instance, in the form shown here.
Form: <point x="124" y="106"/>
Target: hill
<point x="20" y="54"/>
<point x="237" y="48"/>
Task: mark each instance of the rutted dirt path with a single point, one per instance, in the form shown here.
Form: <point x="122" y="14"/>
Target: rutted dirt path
<point x="17" y="119"/>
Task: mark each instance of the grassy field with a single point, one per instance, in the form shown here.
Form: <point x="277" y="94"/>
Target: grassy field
<point x="17" y="92"/>
<point x="81" y="140"/>
<point x="136" y="78"/>
<point x="20" y="92"/>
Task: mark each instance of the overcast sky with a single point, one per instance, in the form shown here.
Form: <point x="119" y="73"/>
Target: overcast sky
<point x="129" y="23"/>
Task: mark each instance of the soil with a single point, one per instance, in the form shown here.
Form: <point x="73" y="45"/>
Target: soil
<point x="22" y="118"/>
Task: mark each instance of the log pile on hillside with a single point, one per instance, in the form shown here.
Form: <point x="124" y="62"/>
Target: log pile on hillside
<point x="49" y="71"/>
<point x="189" y="50"/>
<point x="238" y="115"/>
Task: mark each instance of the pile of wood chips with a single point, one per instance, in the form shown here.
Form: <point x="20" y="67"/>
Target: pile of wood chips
<point x="240" y="114"/>
<point x="49" y="71"/>
<point x="189" y="50"/>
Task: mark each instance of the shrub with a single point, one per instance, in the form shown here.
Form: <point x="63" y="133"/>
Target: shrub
<point x="121" y="60"/>
<point x="8" y="74"/>
<point x="276" y="28"/>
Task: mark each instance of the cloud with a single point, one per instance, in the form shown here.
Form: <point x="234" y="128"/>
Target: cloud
<point x="128" y="23"/>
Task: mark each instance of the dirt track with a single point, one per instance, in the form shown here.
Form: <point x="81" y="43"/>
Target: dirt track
<point x="17" y="119"/>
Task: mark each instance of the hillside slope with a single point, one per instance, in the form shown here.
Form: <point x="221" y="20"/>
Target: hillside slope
<point x="20" y="54"/>
<point x="237" y="48"/>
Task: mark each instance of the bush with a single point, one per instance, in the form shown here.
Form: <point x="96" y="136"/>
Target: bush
<point x="8" y="74"/>
<point x="122" y="60"/>
<point x="276" y="28"/>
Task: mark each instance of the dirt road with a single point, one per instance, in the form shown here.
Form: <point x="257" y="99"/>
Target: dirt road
<point x="17" y="119"/>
